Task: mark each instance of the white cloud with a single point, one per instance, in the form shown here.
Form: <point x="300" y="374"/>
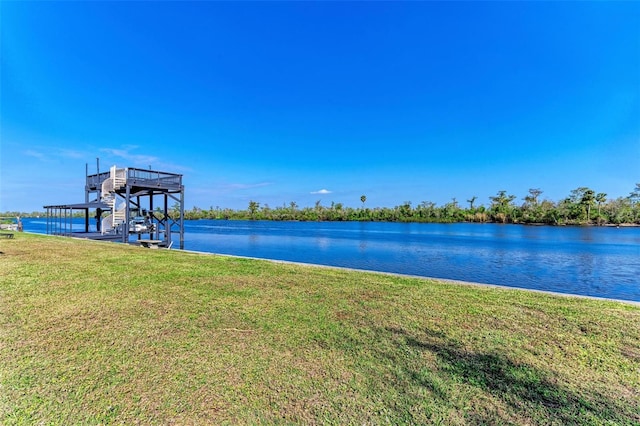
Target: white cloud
<point x="322" y="191"/>
<point x="136" y="159"/>
<point x="70" y="153"/>
<point x="234" y="186"/>
<point x="58" y="153"/>
<point x="143" y="160"/>
<point x="36" y="154"/>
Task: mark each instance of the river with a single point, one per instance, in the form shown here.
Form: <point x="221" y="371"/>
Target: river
<point x="591" y="261"/>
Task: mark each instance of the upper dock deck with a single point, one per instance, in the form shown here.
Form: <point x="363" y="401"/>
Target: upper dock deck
<point x="140" y="178"/>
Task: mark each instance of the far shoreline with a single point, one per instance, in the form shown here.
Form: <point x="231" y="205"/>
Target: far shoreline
<point x="247" y="219"/>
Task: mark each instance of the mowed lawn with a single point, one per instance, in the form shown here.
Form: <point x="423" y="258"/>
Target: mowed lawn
<point x="104" y="333"/>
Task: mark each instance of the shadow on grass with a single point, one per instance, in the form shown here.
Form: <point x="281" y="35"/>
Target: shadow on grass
<point x="526" y="391"/>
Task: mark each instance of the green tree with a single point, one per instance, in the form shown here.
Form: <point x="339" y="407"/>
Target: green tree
<point x="566" y="210"/>
<point x="601" y="197"/>
<point x="363" y="213"/>
<point x="534" y="193"/>
<point x="266" y="212"/>
<point x="451" y="212"/>
<point x="634" y="198"/>
<point x="501" y="206"/>
<point x="426" y="211"/>
<point x="471" y="201"/>
<point x="620" y="210"/>
<point x="531" y="210"/>
<point x="293" y="210"/>
<point x="174" y="211"/>
<point x="548" y="212"/>
<point x="588" y="200"/>
<point x="404" y="211"/>
<point x="581" y="199"/>
<point x="253" y="208"/>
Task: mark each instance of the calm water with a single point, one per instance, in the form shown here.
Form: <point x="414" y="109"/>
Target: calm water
<point x="602" y="262"/>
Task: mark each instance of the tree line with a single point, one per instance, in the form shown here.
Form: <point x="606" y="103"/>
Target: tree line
<point x="583" y="206"/>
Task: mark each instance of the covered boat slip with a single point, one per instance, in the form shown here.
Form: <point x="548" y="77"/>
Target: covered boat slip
<point x="60" y="221"/>
<point x="124" y="203"/>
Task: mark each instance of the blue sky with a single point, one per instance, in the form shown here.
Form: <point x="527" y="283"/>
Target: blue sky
<point x="304" y="101"/>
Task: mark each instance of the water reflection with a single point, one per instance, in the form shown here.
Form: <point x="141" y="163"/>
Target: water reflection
<point x="254" y="239"/>
<point x="586" y="234"/>
<point x="323" y="243"/>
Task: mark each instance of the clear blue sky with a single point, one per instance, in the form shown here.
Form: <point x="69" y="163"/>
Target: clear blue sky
<point x="303" y="101"/>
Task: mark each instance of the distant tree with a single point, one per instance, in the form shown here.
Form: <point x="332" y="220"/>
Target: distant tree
<point x="253" y="208"/>
<point x="501" y="206"/>
<point x="502" y="200"/>
<point x="574" y="209"/>
<point x="427" y="211"/>
<point x="565" y="210"/>
<point x="548" y="212"/>
<point x="336" y="212"/>
<point x="634" y="196"/>
<point x="531" y="211"/>
<point x="576" y="194"/>
<point x="404" y="211"/>
<point x="174" y="211"/>
<point x="588" y="200"/>
<point x="579" y="204"/>
<point x="451" y="212"/>
<point x="471" y="201"/>
<point x="265" y="212"/>
<point x="534" y="193"/>
<point x="601" y="197"/>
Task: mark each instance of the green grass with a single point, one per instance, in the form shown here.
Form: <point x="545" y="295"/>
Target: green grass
<point x="102" y="333"/>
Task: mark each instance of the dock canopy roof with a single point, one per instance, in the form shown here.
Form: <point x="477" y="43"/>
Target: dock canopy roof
<point x="81" y="206"/>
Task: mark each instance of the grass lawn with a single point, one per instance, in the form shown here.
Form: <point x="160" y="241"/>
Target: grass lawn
<point x="103" y="333"/>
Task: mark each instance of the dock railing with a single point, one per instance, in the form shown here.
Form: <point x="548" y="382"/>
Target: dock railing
<point x="139" y="177"/>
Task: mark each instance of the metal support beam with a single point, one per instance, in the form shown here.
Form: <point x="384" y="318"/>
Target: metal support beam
<point x="86" y="186"/>
<point x="127" y="214"/>
<point x="167" y="221"/>
<point x="182" y="218"/>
